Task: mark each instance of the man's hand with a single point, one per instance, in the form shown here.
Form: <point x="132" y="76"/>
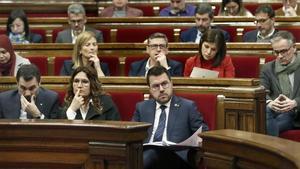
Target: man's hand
<point x="282" y="104"/>
<point x="77" y="102"/>
<point x="162" y="59"/>
<point x="289" y="11"/>
<point x="30" y="107"/>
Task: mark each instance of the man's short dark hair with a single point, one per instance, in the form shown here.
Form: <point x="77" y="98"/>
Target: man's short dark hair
<point x="266" y="9"/>
<point x="157" y="71"/>
<point x="28" y="72"/>
<point x="205" y="8"/>
<point x="158" y="35"/>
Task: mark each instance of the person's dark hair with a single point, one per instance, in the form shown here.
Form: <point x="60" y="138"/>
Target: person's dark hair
<point x="157" y="71"/>
<point x="95" y="87"/>
<point x="265" y="9"/>
<point x="214" y="36"/>
<point x="157" y="35"/>
<point x="205" y="8"/>
<point x="284" y="35"/>
<point x="17" y="13"/>
<point x="224" y="2"/>
<point x="28" y="72"/>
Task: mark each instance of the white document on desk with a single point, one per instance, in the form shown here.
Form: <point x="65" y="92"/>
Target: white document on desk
<point x="204" y="73"/>
<point x="192" y="141"/>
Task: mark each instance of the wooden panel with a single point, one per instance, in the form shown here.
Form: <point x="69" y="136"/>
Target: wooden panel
<point x="224" y="149"/>
<point x="68" y="144"/>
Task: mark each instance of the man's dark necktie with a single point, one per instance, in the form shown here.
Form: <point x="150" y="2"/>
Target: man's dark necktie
<point x="161" y="125"/>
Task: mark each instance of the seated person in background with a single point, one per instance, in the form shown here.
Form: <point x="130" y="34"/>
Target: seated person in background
<point x="178" y="8"/>
<point x="289" y="8"/>
<point x="17" y="28"/>
<point x="281" y="78"/>
<point x="233" y="8"/>
<point x="119" y="8"/>
<point x="85" y="54"/>
<point x="77" y="20"/>
<point x="212" y="55"/>
<point x="204" y="17"/>
<point x="265" y="24"/>
<point x="173" y="118"/>
<point x="30" y="100"/>
<point x="85" y="98"/>
<point x="10" y="62"/>
<point x="157" y="49"/>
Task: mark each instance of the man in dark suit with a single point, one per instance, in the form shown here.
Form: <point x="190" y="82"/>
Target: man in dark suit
<point x="265" y="21"/>
<point x="174" y="119"/>
<point x="289" y="8"/>
<point x="29" y="100"/>
<point x="77" y="20"/>
<point x="157" y="49"/>
<point x="204" y="17"/>
<point x="281" y="78"/>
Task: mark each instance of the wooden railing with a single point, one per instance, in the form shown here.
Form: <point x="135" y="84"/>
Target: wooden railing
<point x="243" y="101"/>
<point x="66" y="144"/>
<point x="225" y="149"/>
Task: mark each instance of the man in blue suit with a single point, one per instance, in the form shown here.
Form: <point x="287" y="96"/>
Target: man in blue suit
<point x="29" y="100"/>
<point x="203" y="18"/>
<point x="157" y="49"/>
<point x="174" y="119"/>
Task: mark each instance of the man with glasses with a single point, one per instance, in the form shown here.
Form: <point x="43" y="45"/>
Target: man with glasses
<point x="77" y="20"/>
<point x="157" y="49"/>
<point x="289" y="8"/>
<point x="281" y="78"/>
<point x="174" y="119"/>
<point x="29" y="101"/>
<point x="178" y="8"/>
<point x="264" y="20"/>
<point x="203" y="18"/>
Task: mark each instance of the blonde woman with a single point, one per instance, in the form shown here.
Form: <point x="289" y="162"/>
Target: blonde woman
<point x="85" y="54"/>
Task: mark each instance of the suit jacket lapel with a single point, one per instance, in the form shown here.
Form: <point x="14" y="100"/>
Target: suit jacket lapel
<point x="17" y="100"/>
<point x="150" y="113"/>
<point x="173" y="114"/>
<point x="296" y="83"/>
<point x="91" y="113"/>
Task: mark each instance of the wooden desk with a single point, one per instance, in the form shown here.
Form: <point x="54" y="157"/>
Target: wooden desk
<point x="242" y="104"/>
<point x="227" y="149"/>
<point x="67" y="144"/>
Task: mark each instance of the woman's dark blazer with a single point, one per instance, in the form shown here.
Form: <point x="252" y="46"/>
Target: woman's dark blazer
<point x="109" y="111"/>
<point x="67" y="68"/>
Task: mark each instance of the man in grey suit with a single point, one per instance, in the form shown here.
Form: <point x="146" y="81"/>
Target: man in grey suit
<point x="29" y="100"/>
<point x="281" y="78"/>
<point x="265" y="25"/>
<point x="77" y="20"/>
<point x="174" y="119"/>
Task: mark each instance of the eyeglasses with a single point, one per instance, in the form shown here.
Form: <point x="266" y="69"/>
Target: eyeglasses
<point x="282" y="51"/>
<point x="83" y="82"/>
<point x="155" y="46"/>
<point x="261" y="21"/>
<point x="77" y="21"/>
<point x="164" y="85"/>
